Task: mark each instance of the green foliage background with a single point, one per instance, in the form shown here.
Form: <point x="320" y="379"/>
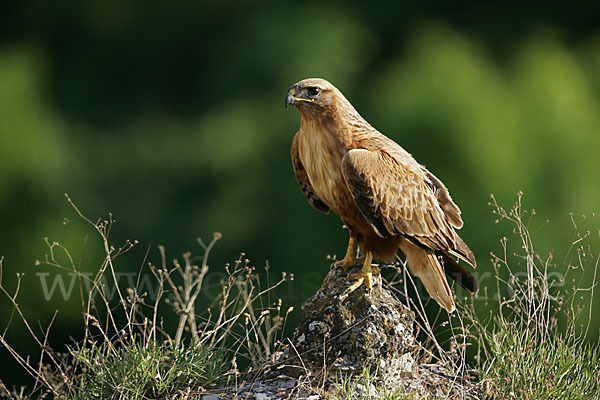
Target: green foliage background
<point x="170" y="116"/>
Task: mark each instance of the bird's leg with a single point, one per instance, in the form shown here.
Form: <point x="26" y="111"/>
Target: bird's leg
<point x="350" y="257"/>
<point x="365" y="275"/>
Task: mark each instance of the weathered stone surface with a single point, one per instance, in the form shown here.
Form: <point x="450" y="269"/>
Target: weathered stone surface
<point x="359" y="331"/>
<point x="345" y="336"/>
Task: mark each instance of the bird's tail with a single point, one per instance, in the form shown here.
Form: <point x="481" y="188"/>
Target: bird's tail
<point x="426" y="265"/>
<point x="458" y="272"/>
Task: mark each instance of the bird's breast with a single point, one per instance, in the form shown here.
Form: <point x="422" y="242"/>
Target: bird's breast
<point x="321" y="154"/>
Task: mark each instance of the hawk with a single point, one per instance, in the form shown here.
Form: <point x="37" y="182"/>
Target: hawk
<point x="388" y="201"/>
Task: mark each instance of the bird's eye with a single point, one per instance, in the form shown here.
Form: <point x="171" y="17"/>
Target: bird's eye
<point x="313" y="91"/>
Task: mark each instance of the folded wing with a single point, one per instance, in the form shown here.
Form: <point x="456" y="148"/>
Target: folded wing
<point x="400" y="197"/>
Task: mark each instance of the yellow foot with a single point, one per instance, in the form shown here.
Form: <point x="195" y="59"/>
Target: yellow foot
<point x="345" y="264"/>
<point x="350" y="257"/>
<point x="365" y="275"/>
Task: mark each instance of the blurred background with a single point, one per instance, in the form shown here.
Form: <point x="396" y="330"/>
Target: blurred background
<point x="170" y="115"/>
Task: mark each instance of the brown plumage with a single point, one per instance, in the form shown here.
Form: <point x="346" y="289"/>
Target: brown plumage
<point x="388" y="201"/>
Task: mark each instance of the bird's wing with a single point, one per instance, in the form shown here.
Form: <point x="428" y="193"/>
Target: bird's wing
<point x="451" y="210"/>
<point x="304" y="182"/>
<point x="399" y="197"/>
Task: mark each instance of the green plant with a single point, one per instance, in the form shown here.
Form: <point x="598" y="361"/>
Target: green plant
<point x="533" y="348"/>
<point x="146" y="370"/>
<point x="524" y="366"/>
<point x="127" y="351"/>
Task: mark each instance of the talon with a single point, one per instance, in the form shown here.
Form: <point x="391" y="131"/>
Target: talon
<point x="365" y="275"/>
<point x="350" y="257"/>
<point x="346" y="264"/>
<point x="359" y="281"/>
<point x="343" y="263"/>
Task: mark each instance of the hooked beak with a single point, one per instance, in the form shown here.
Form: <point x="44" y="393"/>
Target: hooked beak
<point x="289" y="100"/>
<point x="294" y="97"/>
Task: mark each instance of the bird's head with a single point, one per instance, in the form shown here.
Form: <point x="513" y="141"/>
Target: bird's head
<point x="313" y="95"/>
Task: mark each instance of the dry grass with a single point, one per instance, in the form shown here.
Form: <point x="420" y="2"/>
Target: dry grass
<point x="532" y="346"/>
<point x="127" y="352"/>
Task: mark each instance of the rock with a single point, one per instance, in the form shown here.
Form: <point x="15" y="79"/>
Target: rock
<point x="362" y="333"/>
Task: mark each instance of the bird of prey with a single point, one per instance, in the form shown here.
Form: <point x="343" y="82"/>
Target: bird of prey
<point x="388" y="201"/>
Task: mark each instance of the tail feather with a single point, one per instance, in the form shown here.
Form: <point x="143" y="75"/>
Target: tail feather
<point x="425" y="264"/>
<point x="458" y="273"/>
<point x="463" y="252"/>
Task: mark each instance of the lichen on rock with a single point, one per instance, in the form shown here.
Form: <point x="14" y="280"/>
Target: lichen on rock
<point x="348" y="335"/>
<point x="363" y="330"/>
